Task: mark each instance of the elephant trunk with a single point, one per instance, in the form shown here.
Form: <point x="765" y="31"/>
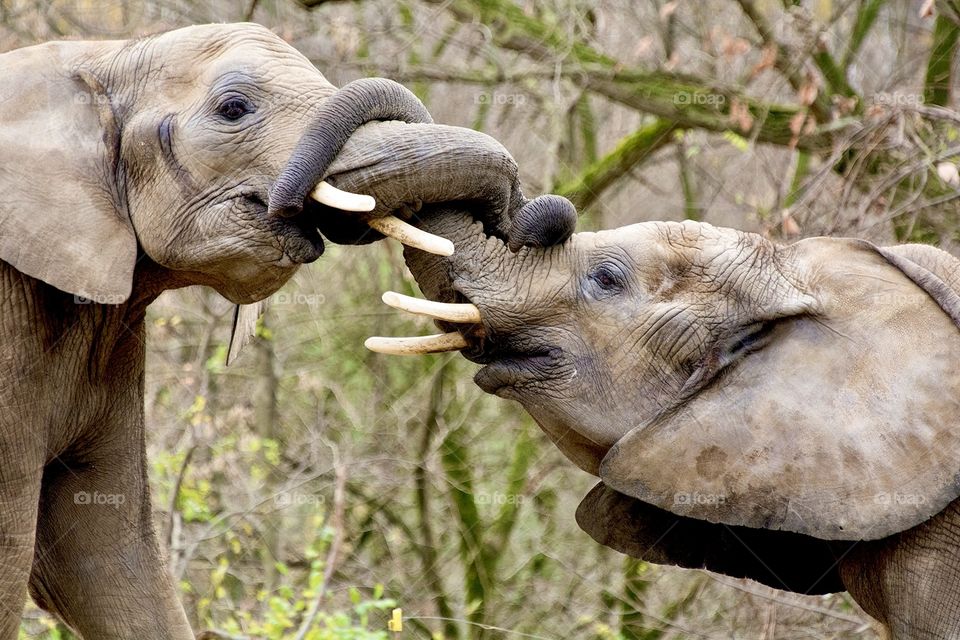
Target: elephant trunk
<point x="405" y="166"/>
<point x="435" y="274"/>
<point x="340" y="115"/>
<point x="405" y="162"/>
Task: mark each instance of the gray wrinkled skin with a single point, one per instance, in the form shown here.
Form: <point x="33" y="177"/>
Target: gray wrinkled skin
<point x="755" y="409"/>
<point x="129" y="168"/>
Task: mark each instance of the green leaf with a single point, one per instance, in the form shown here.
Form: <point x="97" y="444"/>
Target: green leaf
<point x="738" y="142"/>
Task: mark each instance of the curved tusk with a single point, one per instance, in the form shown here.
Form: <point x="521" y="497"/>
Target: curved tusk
<point x="326" y="193"/>
<point x="410" y="235"/>
<point x="450" y="312"/>
<point x="439" y="343"/>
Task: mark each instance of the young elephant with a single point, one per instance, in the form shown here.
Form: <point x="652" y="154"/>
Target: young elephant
<point x="783" y="413"/>
<point x="129" y="168"/>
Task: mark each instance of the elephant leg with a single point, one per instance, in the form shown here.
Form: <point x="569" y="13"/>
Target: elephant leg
<point x="19" y="497"/>
<point x="98" y="563"/>
<point x="911" y="581"/>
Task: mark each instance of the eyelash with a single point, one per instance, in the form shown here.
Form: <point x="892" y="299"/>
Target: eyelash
<point x="226" y="108"/>
<point x="607" y="279"/>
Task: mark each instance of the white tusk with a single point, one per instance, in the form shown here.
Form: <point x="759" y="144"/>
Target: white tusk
<point x="418" y="345"/>
<point x="410" y="235"/>
<point x="464" y="312"/>
<point x="329" y="195"/>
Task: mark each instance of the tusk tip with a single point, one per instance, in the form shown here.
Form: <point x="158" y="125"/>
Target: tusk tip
<point x="418" y="345"/>
<point x="390" y="298"/>
<point x="410" y="235"/>
<point x="326" y="193"/>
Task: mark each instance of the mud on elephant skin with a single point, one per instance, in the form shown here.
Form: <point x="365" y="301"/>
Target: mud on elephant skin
<point x="783" y="413"/>
<point x="133" y="167"/>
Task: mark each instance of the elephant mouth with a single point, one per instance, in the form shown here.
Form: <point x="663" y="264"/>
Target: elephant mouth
<point x="509" y="362"/>
<point x="299" y="236"/>
<point x="507" y="371"/>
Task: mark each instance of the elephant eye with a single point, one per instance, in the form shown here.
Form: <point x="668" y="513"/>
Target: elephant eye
<point x="234" y="108"/>
<point x="607" y="279"/>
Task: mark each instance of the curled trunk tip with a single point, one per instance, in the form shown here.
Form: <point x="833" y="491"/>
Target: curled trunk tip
<point x="356" y="104"/>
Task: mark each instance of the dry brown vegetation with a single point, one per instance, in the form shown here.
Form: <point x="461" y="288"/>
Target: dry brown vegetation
<point x="290" y="485"/>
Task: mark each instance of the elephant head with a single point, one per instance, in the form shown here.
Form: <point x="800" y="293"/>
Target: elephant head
<point x="724" y="388"/>
<point x="127" y="168"/>
<point x="194" y="151"/>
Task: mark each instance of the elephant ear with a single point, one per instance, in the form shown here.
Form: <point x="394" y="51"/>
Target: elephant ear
<point x="62" y="217"/>
<point x="844" y="426"/>
<point x="655" y="535"/>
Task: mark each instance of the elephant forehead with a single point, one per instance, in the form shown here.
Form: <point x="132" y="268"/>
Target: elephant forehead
<point x="209" y="51"/>
<point x="662" y="239"/>
<point x="665" y="254"/>
<point x="216" y="38"/>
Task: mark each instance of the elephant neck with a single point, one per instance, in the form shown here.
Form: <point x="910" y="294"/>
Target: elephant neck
<point x="149" y="281"/>
<point x="52" y="329"/>
<point x="72" y="363"/>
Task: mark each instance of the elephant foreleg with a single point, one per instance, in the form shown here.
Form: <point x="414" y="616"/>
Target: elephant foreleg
<point x="19" y="495"/>
<point x="98" y="564"/>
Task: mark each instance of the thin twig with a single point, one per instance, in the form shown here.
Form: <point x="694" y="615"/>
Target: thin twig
<point x="175" y="493"/>
<point x="333" y="554"/>
<point x="248" y="16"/>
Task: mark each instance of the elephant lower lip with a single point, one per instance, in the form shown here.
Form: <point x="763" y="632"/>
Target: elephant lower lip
<point x="510" y="371"/>
<point x="300" y="238"/>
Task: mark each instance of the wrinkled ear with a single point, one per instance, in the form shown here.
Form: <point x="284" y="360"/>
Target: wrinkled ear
<point x="655" y="535"/>
<point x="62" y="217"/>
<point x="844" y="426"/>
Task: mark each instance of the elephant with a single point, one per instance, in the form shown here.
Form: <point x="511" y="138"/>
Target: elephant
<point x="191" y="157"/>
<point x="784" y="413"/>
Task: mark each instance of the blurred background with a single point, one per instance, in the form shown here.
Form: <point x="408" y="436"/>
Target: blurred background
<point x="311" y="487"/>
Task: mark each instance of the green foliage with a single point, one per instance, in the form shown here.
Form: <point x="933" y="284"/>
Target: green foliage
<point x="282" y="612"/>
<point x="44" y="628"/>
<point x="456" y="505"/>
<point x="939" y="77"/>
